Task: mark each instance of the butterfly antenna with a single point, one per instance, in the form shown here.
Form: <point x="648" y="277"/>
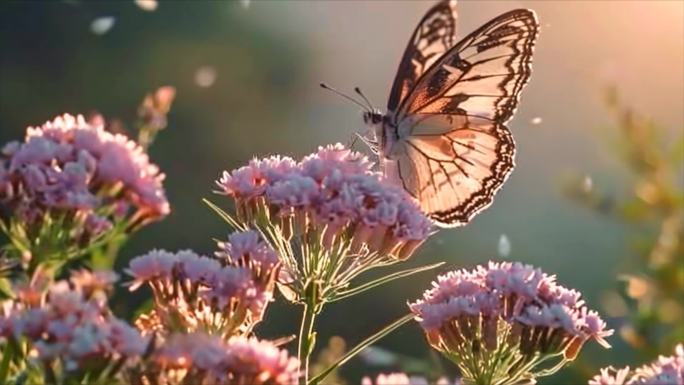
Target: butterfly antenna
<point x="327" y="87"/>
<point x="358" y="91"/>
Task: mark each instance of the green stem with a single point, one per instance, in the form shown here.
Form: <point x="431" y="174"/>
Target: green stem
<point x="307" y="338"/>
<point x="7" y="355"/>
<point x="358" y="348"/>
<point x="49" y="374"/>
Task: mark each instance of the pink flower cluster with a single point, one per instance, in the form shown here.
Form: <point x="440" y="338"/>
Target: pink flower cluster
<point x="333" y="189"/>
<point x="542" y="315"/>
<point x="247" y="250"/>
<point x="75" y="167"/>
<point x="404" y="379"/>
<point x="227" y="295"/>
<point x="666" y="370"/>
<point x="211" y="360"/>
<point x="70" y="323"/>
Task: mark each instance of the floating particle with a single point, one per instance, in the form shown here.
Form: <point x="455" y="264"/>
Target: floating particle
<point x="504" y="246"/>
<point x="245" y="3"/>
<point x="375" y="356"/>
<point x="587" y="184"/>
<point x="102" y="25"/>
<point x="205" y="76"/>
<point x="147" y="5"/>
<point x="536" y="120"/>
<point x="637" y="287"/>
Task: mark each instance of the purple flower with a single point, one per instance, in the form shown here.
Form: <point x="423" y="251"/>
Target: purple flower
<point x="193" y="292"/>
<point x="155" y="265"/>
<point x="197" y="268"/>
<point x="610" y="376"/>
<point x="246" y="246"/>
<point x="250" y="361"/>
<point x="71" y="325"/>
<point x="208" y="359"/>
<point x="404" y="379"/>
<point x="665" y="370"/>
<point x="333" y="199"/>
<point x="73" y="168"/>
<point x="231" y="284"/>
<point x="506" y="306"/>
<point x="245" y="182"/>
<point x="293" y="192"/>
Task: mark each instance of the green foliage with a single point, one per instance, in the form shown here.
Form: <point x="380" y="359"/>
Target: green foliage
<point x="653" y="287"/>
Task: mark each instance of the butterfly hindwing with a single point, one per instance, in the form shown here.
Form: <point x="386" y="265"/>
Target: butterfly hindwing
<point x="434" y="35"/>
<point x="453" y="175"/>
<point x="453" y="151"/>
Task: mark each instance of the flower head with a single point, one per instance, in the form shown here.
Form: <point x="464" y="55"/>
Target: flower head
<point x="228" y="295"/>
<point x="155" y="265"/>
<point x="505" y="307"/>
<point x="92" y="282"/>
<point x="70" y="172"/>
<point x="665" y="370"/>
<point x="208" y="359"/>
<point x="394" y="379"/>
<point x="248" y="250"/>
<point x="404" y="379"/>
<point x="72" y="325"/>
<point x="610" y="376"/>
<point x="334" y="204"/>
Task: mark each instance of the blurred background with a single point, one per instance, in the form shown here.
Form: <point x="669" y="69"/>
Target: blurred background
<point x="596" y="191"/>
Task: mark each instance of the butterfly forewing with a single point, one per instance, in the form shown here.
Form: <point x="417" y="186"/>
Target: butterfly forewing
<point x="434" y="35"/>
<point x="482" y="75"/>
<point x="452" y="150"/>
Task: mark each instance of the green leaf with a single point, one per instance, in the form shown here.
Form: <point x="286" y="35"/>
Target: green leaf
<point x="383" y="280"/>
<point x="358" y="348"/>
<point x="677" y="155"/>
<point x="7" y="354"/>
<point x="311" y="343"/>
<point x="224" y="215"/>
<point x="6" y="290"/>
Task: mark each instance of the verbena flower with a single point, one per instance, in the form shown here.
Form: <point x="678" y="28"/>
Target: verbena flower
<point x="226" y="296"/>
<point x="247" y="250"/>
<point x="329" y="216"/>
<point x="70" y="182"/>
<point x="69" y="329"/>
<point x="610" y="376"/>
<point x="199" y="358"/>
<point x="404" y="379"/>
<point x="499" y="323"/>
<point x="666" y="370"/>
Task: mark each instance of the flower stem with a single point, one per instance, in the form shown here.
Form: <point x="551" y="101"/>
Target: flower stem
<point x="307" y="334"/>
<point x="307" y="339"/>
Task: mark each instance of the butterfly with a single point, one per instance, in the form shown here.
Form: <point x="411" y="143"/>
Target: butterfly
<point x="444" y="137"/>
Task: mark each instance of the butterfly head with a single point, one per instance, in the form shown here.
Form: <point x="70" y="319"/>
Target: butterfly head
<point x="373" y="117"/>
<point x="375" y="120"/>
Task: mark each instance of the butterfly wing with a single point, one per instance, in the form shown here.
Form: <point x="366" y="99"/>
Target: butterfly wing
<point x="433" y="36"/>
<point x="452" y="150"/>
<point x="453" y="173"/>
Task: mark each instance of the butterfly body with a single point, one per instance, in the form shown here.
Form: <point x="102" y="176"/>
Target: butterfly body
<point x="444" y="137"/>
<point x="383" y="131"/>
